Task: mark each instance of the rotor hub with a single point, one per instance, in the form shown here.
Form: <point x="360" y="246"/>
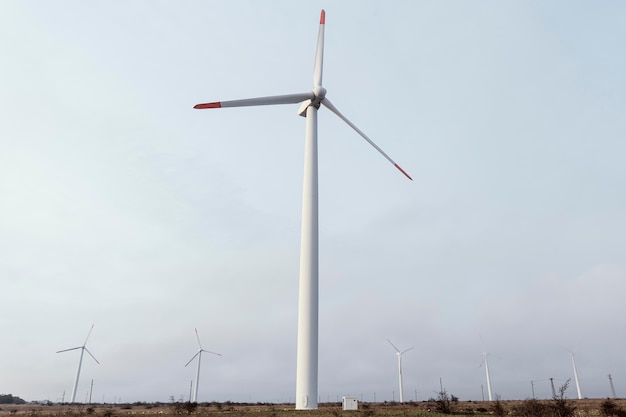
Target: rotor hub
<point x="320" y="92"/>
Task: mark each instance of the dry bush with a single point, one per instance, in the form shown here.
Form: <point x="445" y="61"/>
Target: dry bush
<point x="531" y="408"/>
<point x="497" y="409"/>
<point x="609" y="408"/>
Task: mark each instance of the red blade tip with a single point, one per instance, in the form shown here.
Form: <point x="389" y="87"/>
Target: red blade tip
<point x="403" y="171"/>
<point x="322" y="17"/>
<point x="214" y="105"/>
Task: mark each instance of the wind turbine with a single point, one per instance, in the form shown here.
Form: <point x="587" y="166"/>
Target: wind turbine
<point x="572" y="354"/>
<point x="308" y="303"/>
<point x="399" y="355"/>
<point x="82" y="348"/>
<point x="199" y="355"/>
<point x="488" y="376"/>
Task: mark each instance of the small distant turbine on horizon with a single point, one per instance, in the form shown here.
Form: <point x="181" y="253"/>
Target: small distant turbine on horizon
<point x="199" y="355"/>
<point x="399" y="355"/>
<point x="488" y="376"/>
<point x="82" y="348"/>
<point x="572" y="354"/>
<point x="308" y="292"/>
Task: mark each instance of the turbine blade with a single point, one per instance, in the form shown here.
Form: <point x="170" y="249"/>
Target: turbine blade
<point x="198" y="337"/>
<point x="258" y="101"/>
<point x="319" y="53"/>
<point x="66" y="350"/>
<point x="394" y="346"/>
<point x="88" y="334"/>
<point x="406" y="350"/>
<point x="214" y="353"/>
<point x="332" y="108"/>
<point x="193" y="357"/>
<point x="94" y="358"/>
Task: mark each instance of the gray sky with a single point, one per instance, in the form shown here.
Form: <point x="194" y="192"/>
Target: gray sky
<point x="122" y="206"/>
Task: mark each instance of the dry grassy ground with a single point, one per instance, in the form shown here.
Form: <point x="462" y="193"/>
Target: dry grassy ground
<point x="585" y="407"/>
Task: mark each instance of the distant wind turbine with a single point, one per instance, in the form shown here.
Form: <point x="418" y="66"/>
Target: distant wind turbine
<point x="572" y="354"/>
<point x="199" y="355"/>
<point x="82" y="348"/>
<point x="308" y="304"/>
<point x="399" y="355"/>
<point x="488" y="376"/>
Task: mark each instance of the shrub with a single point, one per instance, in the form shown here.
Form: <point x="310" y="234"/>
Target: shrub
<point x="10" y="399"/>
<point x="531" y="408"/>
<point x="608" y="408"/>
<point x="443" y="403"/>
<point x="560" y="406"/>
<point x="497" y="408"/>
<point x="190" y="407"/>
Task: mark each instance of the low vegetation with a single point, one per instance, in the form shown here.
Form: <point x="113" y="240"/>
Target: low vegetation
<point x="10" y="399"/>
<point x="609" y="408"/>
<point x="443" y="405"/>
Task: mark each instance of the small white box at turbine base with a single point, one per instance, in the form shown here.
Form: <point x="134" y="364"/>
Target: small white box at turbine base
<point x="349" y="403"/>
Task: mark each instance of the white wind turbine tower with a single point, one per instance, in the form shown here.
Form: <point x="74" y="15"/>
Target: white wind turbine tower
<point x="399" y="355"/>
<point x="308" y="303"/>
<point x="572" y="354"/>
<point x="488" y="376"/>
<point x="82" y="348"/>
<point x="199" y="355"/>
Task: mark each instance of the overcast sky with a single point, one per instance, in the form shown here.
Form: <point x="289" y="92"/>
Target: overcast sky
<point x="122" y="206"/>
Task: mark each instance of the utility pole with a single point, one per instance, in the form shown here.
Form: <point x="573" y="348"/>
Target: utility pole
<point x="552" y="385"/>
<point x="612" y="387"/>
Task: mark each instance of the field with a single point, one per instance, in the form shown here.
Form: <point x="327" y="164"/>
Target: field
<point x="585" y="407"/>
